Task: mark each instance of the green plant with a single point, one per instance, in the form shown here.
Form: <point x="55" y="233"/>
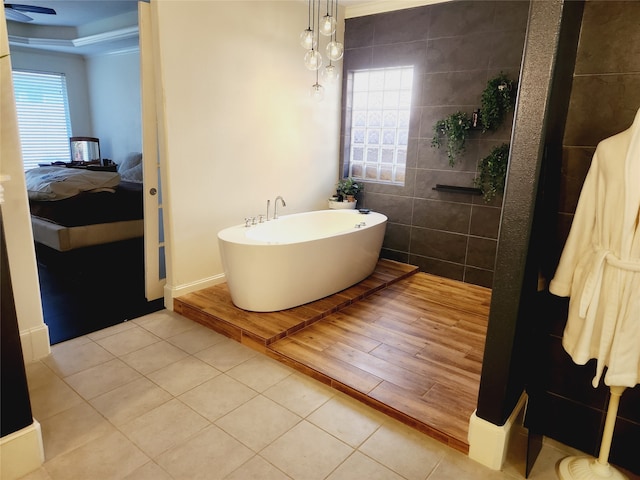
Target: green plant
<point x="492" y="172"/>
<point x="454" y="129"/>
<point x="348" y="186"/>
<point x="498" y="98"/>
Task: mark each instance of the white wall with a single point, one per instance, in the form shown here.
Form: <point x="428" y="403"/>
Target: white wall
<point x="114" y="86"/>
<point x="34" y="334"/>
<point x="240" y="126"/>
<point x="74" y="68"/>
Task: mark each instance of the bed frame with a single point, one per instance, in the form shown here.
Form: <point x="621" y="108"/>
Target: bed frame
<point x="89" y="218"/>
<point x="63" y="238"/>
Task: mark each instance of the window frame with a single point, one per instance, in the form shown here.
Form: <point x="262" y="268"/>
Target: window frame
<point x="389" y="167"/>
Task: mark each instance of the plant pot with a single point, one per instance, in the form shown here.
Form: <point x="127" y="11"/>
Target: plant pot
<point x="335" y="205"/>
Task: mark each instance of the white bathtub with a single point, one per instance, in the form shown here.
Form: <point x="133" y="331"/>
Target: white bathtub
<point x="299" y="258"/>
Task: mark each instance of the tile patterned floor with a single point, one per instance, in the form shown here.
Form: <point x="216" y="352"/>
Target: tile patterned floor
<point x="162" y="397"/>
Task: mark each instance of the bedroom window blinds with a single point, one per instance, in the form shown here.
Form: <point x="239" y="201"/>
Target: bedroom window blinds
<point x="43" y="117"/>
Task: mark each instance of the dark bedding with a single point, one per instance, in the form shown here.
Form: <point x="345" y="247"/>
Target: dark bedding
<point x="91" y="208"/>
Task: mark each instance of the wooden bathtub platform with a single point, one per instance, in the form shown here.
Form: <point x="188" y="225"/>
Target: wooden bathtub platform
<point x="406" y="343"/>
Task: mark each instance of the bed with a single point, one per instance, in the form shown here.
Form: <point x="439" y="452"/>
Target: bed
<point x="75" y="207"/>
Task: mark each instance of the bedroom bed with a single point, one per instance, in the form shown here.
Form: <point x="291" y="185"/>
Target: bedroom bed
<point x="80" y="207"/>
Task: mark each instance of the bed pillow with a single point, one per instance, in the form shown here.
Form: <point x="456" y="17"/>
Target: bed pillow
<point x="58" y="183"/>
<point x="133" y="174"/>
<point x="131" y="168"/>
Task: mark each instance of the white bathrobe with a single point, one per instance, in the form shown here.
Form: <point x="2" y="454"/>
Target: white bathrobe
<point x="600" y="265"/>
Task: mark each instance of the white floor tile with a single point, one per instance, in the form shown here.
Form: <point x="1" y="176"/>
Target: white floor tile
<point x="258" y="422"/>
<point x="300" y="394"/>
<point x="257" y="469"/>
<point x="153" y="357"/>
<point x="168" y="415"/>
<point x="196" y="339"/>
<point x="306" y="452"/>
<point x="102" y="378"/>
<point x="72" y="428"/>
<point x="404" y="450"/>
<point x="127" y="341"/>
<point x="226" y="355"/>
<point x="260" y="372"/>
<point x="183" y="375"/>
<point x="130" y="401"/>
<point x="361" y="466"/>
<point x="149" y="471"/>
<point x="210" y="455"/>
<point x="165" y="323"/>
<point x="164" y="427"/>
<point x="217" y="397"/>
<point x="111" y="456"/>
<point x="69" y="358"/>
<point x="346" y="418"/>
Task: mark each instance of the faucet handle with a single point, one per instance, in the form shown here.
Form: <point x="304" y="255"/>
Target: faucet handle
<point x="247" y="221"/>
<point x="261" y="218"/>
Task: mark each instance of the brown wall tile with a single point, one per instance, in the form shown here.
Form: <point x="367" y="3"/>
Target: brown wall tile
<point x="485" y="221"/>
<point x="456" y="47"/>
<point x="610" y="38"/>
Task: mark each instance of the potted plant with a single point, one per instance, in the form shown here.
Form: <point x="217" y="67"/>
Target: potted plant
<point x="492" y="172"/>
<point x="454" y="129"/>
<point x="348" y="188"/>
<point x="498" y="98"/>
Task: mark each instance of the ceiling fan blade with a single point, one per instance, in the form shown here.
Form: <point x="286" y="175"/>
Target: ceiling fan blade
<point x="16" y="16"/>
<point x="30" y="8"/>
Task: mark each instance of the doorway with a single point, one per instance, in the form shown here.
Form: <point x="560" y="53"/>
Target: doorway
<point x="92" y="287"/>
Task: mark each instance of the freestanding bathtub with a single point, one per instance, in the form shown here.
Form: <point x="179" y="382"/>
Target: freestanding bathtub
<point x="299" y="258"/>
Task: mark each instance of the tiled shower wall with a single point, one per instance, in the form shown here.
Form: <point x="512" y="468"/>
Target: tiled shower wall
<point x="604" y="99"/>
<point x="455" y="47"/>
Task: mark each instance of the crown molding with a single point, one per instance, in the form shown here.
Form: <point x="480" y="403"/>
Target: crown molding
<point x="120" y="34"/>
<point x="89" y="40"/>
<point x="382" y="6"/>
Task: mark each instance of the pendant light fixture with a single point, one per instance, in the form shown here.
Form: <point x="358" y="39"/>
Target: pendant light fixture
<point x="330" y="73"/>
<point x="313" y="58"/>
<point x="317" y="90"/>
<point x="328" y="23"/>
<point x="335" y="49"/>
<point x="310" y="40"/>
<point x="307" y="37"/>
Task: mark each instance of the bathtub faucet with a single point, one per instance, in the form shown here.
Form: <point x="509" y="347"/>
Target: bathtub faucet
<point x="275" y="206"/>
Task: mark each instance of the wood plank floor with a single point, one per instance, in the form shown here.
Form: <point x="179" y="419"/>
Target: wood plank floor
<point x="408" y="344"/>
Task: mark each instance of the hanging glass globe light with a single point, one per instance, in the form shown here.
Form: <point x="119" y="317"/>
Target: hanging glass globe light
<point x="335" y="50"/>
<point x="307" y="39"/>
<point x="317" y="92"/>
<point x="327" y="25"/>
<point x="331" y="73"/>
<point x="312" y="60"/>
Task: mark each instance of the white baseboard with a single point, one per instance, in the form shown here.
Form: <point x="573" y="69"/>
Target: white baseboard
<point x="21" y="452"/>
<point x="488" y="443"/>
<point x="171" y="292"/>
<point x="35" y="343"/>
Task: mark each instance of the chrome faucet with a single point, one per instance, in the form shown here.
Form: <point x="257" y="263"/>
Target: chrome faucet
<point x="275" y="206"/>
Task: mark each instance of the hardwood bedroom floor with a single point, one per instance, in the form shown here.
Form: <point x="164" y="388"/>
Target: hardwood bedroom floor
<point x="88" y="289"/>
<point x="404" y="342"/>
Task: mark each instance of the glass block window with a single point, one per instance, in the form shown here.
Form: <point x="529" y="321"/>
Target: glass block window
<point x="380" y="114"/>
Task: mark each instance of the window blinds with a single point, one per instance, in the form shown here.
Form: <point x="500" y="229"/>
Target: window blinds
<point x="43" y="117"/>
